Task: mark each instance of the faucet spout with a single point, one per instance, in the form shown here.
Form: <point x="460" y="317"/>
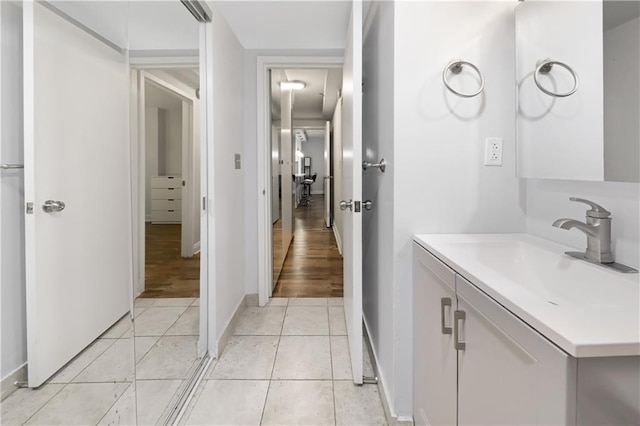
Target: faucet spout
<point x="591" y="230"/>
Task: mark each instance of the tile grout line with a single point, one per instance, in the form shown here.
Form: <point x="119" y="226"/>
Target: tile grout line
<point x="116" y="401"/>
<point x="333" y="388"/>
<point x="266" y="397"/>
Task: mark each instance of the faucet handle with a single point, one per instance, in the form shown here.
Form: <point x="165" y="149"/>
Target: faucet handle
<point x="596" y="211"/>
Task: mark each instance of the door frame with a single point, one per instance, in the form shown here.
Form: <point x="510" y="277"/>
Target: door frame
<point x="139" y="78"/>
<point x="263" y="194"/>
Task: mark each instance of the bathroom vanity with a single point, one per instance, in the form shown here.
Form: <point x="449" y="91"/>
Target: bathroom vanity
<point x="509" y="330"/>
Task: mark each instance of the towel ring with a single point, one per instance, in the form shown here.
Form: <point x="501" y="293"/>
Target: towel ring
<point x="456" y="68"/>
<point x="544" y="67"/>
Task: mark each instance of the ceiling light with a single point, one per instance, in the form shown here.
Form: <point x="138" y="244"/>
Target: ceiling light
<point x="292" y="85"/>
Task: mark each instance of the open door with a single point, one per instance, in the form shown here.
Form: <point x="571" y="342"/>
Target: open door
<point x="327" y="175"/>
<point x="78" y="222"/>
<point x="352" y="187"/>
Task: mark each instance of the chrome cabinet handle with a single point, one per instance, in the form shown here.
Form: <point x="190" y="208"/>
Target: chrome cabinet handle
<point x="51" y="206"/>
<point x="346" y="205"/>
<point x="444" y="302"/>
<point x="457" y="316"/>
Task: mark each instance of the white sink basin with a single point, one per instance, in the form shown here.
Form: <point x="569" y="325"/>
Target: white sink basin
<point x="585" y="309"/>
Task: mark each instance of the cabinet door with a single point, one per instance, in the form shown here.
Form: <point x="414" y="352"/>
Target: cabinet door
<point x="507" y="372"/>
<point x="434" y="358"/>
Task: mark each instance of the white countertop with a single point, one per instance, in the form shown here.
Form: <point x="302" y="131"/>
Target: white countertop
<point x="585" y="309"/>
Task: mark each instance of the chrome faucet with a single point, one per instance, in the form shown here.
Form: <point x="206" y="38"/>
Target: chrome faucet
<point x="597" y="228"/>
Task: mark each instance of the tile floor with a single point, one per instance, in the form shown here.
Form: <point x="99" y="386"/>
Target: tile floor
<point x="287" y="364"/>
<point x="97" y="387"/>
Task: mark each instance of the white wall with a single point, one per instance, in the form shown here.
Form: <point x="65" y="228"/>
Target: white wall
<point x="314" y="148"/>
<point x="173" y="141"/>
<point x="377" y="224"/>
<point x="12" y="284"/>
<point x="228" y="105"/>
<point x="436" y="182"/>
<point x="151" y="150"/>
<point x="250" y="160"/>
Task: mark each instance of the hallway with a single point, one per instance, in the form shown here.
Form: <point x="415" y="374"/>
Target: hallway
<point x="313" y="267"/>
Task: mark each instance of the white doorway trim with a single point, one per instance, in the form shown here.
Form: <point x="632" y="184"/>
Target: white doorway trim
<point x="265" y="63"/>
<point x="139" y="80"/>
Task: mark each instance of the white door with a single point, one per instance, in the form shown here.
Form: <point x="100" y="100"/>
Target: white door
<point x="286" y="151"/>
<point x="327" y="175"/>
<point x="352" y="187"/>
<point x="76" y="151"/>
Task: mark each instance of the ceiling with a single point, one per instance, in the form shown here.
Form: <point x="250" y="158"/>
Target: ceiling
<point x="136" y="25"/>
<point x="290" y="24"/>
<point x="317" y="100"/>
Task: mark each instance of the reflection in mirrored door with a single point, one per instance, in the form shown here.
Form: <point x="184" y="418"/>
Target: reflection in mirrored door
<point x="165" y="70"/>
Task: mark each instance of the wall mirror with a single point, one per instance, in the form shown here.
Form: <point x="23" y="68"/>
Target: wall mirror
<point x="577" y="73"/>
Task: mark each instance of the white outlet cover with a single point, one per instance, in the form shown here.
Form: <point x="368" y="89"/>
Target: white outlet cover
<point x="493" y="152"/>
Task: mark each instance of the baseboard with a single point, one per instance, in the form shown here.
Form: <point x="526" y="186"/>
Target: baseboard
<point x="196" y="248"/>
<point x="338" y="240"/>
<point x="7" y="385"/>
<point x="247" y="300"/>
<point x="392" y="419"/>
<point x="147" y="217"/>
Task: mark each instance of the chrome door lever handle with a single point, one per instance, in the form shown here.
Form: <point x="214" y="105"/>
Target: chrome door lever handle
<point x="368" y="205"/>
<point x="51" y="206"/>
<point x="381" y="165"/>
<point x="346" y="205"/>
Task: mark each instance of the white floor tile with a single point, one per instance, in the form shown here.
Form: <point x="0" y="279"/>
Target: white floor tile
<point x="143" y="344"/>
<point x="230" y="402"/>
<point x="260" y="321"/>
<point x="138" y="311"/>
<point x="306" y="321"/>
<point x="118" y="329"/>
<point x="196" y="302"/>
<point x="308" y="301"/>
<point x="278" y="301"/>
<point x="123" y="412"/>
<point x="340" y="358"/>
<point x="299" y="403"/>
<point x="153" y="399"/>
<point x="337" y="323"/>
<point x="303" y="357"/>
<point x="156" y="321"/>
<point x="335" y="301"/>
<point x="173" y="301"/>
<point x="114" y="365"/>
<point x="82" y="361"/>
<point x="358" y="405"/>
<point x="187" y="325"/>
<point x="247" y="357"/>
<point x="171" y="358"/>
<point x="79" y="404"/>
<point x="24" y="403"/>
<point x="143" y="302"/>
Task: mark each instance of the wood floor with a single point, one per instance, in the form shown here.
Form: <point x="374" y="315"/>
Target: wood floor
<point x="166" y="273"/>
<point x="313" y="267"/>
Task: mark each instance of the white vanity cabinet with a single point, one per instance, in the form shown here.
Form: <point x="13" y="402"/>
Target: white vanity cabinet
<point x="476" y="363"/>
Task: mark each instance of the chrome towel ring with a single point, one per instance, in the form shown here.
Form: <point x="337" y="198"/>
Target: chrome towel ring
<point x="456" y="68"/>
<point x="544" y="67"/>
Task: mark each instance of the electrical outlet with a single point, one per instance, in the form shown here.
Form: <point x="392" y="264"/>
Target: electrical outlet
<point x="493" y="152"/>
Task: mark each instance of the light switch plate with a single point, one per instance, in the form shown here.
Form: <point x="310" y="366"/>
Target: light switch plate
<point x="493" y="152"/>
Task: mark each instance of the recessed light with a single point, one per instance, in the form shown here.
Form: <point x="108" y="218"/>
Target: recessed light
<point x="292" y="85"/>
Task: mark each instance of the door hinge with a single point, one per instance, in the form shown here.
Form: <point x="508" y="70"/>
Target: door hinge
<point x="184" y="183"/>
<point x="204" y="203"/>
<point x="29" y="208"/>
